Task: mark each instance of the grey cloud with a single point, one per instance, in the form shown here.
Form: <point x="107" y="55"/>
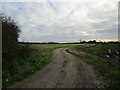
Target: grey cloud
<point x="65" y="22"/>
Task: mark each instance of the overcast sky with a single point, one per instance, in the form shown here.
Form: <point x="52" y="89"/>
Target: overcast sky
<point x="65" y="21"/>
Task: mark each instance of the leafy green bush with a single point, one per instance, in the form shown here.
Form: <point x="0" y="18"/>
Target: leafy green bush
<point x="10" y="34"/>
<point x="11" y="51"/>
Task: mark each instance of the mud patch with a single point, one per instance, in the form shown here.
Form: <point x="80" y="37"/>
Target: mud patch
<point x="71" y="50"/>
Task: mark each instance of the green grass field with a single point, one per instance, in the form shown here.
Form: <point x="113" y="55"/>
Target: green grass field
<point x="106" y="67"/>
<point x="53" y="46"/>
<point x="41" y="55"/>
<point x="110" y="51"/>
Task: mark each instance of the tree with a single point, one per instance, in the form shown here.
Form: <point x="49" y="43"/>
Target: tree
<point x="94" y="41"/>
<point x="10" y="35"/>
<point x="80" y="40"/>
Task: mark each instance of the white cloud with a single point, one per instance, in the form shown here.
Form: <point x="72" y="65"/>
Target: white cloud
<point x="65" y="21"/>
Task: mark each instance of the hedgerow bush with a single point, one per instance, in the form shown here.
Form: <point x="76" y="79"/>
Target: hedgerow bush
<point x="11" y="49"/>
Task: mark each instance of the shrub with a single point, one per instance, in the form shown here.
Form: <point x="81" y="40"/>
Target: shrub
<point x="10" y="34"/>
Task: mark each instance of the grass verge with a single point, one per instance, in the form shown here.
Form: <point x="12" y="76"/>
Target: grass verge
<point x="104" y="67"/>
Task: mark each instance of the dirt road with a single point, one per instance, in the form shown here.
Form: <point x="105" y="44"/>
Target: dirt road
<point x="65" y="71"/>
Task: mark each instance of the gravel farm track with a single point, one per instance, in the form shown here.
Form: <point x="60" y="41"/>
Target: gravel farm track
<point x="65" y="71"/>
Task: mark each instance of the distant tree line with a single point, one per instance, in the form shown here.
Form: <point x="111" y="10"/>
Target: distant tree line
<point x="38" y="42"/>
<point x="100" y="42"/>
<point x="91" y="41"/>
